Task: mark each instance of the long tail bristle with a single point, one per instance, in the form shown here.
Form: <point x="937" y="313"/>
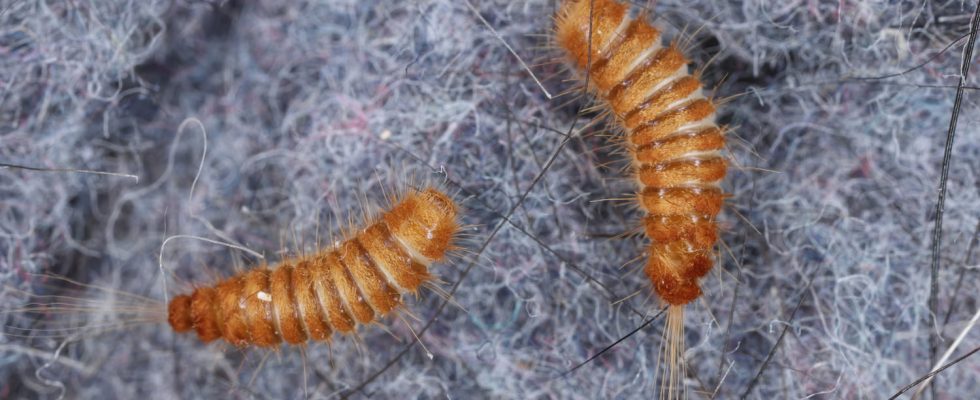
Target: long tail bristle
<point x="671" y="363"/>
<point x="76" y="308"/>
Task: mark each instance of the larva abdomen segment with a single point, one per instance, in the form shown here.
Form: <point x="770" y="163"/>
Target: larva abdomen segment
<point x="682" y="171"/>
<point x="258" y="307"/>
<point x="230" y="308"/>
<point x="308" y="298"/>
<point x="697" y="142"/>
<point x="699" y="232"/>
<point x="349" y="293"/>
<point x="392" y="258"/>
<point x="690" y="201"/>
<point x="670" y="122"/>
<point x="615" y="68"/>
<point x="324" y="299"/>
<point x="203" y="317"/>
<point x="288" y="313"/>
<point x="670" y="131"/>
<point x="646" y="79"/>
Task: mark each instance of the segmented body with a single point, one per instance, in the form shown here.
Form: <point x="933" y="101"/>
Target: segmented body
<point x="670" y="130"/>
<point x="355" y="282"/>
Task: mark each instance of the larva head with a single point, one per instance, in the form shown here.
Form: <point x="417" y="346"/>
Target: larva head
<point x="179" y="314"/>
<point x="425" y="221"/>
<point x="572" y="27"/>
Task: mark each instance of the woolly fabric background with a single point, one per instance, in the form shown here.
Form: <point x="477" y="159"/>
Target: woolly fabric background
<point x="308" y="106"/>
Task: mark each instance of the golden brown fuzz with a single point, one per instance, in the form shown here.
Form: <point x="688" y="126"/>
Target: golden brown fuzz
<point x="308" y="298"/>
<point x="670" y="131"/>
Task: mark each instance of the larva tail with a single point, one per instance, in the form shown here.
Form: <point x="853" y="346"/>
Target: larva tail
<point x="671" y="366"/>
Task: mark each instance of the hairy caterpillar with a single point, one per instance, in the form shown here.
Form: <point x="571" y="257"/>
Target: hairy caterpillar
<point x="310" y="297"/>
<point x="675" y="145"/>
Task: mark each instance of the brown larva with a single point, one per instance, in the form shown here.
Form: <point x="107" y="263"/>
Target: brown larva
<point x="310" y="297"/>
<point x="670" y="131"/>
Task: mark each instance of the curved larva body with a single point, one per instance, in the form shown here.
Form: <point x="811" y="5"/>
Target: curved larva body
<point x="356" y="282"/>
<point x="671" y="133"/>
